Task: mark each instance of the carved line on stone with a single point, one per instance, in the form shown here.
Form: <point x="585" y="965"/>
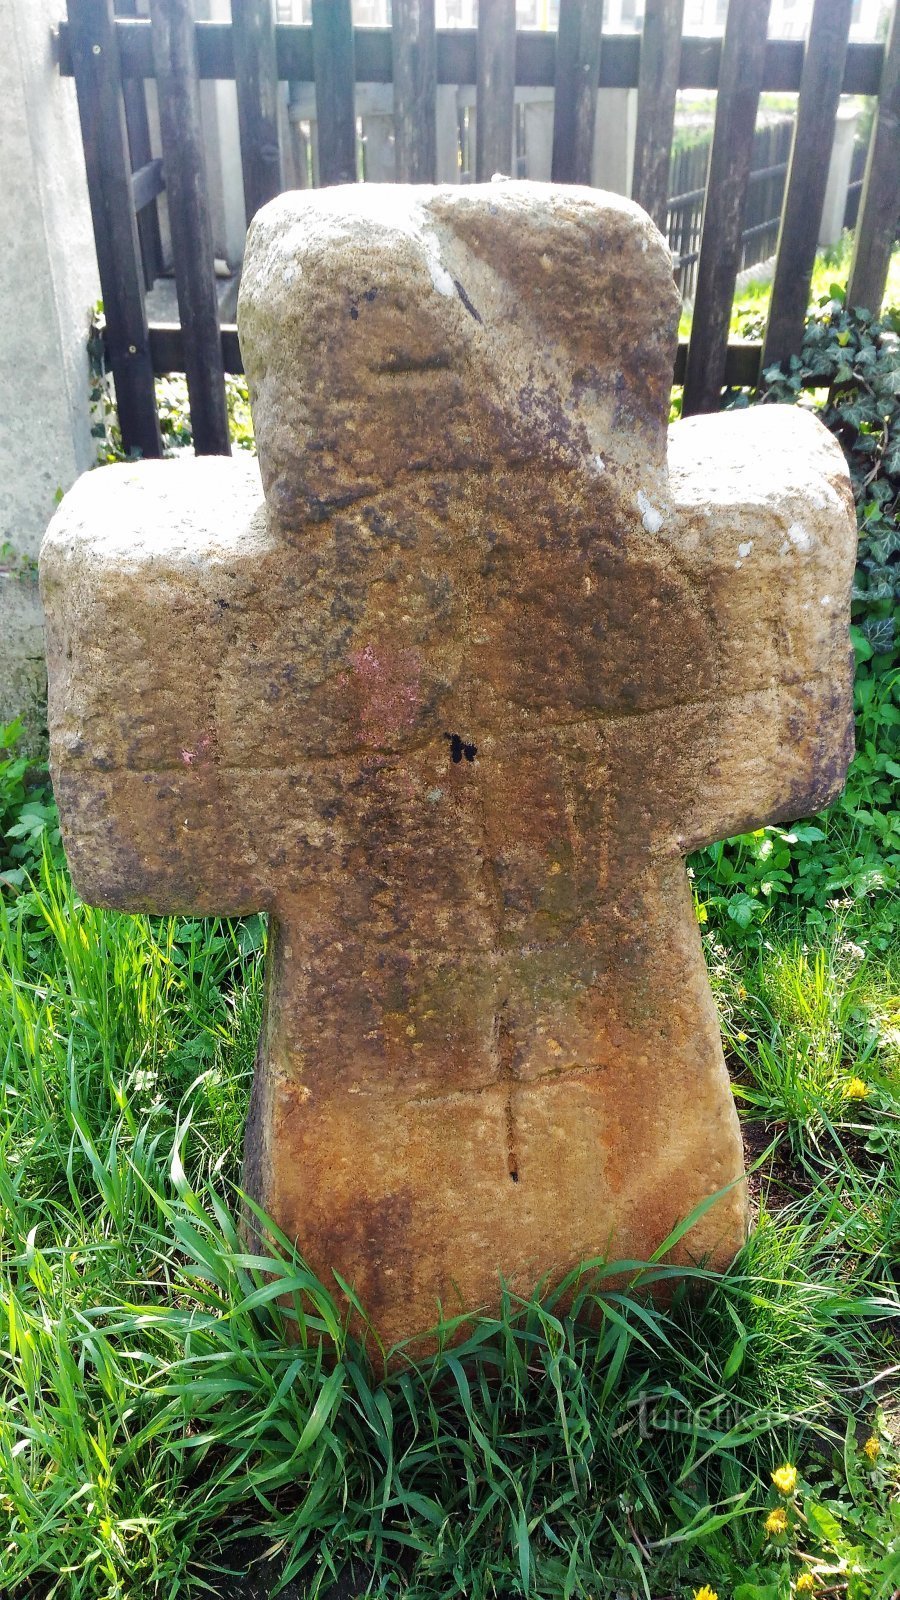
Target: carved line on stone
<point x="375" y="1090"/>
<point x="585" y="719"/>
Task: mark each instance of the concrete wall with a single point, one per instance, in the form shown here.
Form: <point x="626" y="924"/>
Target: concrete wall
<point x="48" y="284"/>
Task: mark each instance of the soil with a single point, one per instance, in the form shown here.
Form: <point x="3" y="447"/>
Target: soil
<point x="254" y="1577"/>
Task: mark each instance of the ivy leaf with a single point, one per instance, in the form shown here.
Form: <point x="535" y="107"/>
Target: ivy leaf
<point x="880" y="633"/>
<point x="864" y="650"/>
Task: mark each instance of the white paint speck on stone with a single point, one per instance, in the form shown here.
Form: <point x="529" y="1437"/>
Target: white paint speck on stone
<point x="650" y="517"/>
<point x="825" y="600"/>
<point x="440" y="277"/>
<point x="799" y="537"/>
<point x="744" y="549"/>
<point x="599" y="463"/>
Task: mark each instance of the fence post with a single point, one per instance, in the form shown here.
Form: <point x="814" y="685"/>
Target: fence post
<point x="820" y="88"/>
<point x="496" y="89"/>
<point x="657" y="89"/>
<point x="414" y="44"/>
<point x="577" y="75"/>
<point x="138" y="125"/>
<point x="539" y="133"/>
<point x="876" y="227"/>
<point x="840" y="166"/>
<point x="256" y="75"/>
<point x="332" y="25"/>
<point x="612" y="163"/>
<point x="375" y="109"/>
<point x="101" y="110"/>
<point x="740" y="78"/>
<point x="175" y="61"/>
<point x="447" y="134"/>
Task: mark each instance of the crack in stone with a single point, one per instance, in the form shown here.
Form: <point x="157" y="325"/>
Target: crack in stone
<point x="503" y="1045"/>
<point x="507" y="1075"/>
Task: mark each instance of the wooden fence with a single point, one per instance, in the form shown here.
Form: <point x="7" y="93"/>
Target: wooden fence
<point x="762" y="211"/>
<point x="111" y="57"/>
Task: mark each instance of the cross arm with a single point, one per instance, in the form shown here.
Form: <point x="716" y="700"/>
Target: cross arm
<point x="763" y="516"/>
<point x="144" y="570"/>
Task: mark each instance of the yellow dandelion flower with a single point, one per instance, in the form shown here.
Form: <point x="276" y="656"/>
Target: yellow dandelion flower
<point x="856" y="1089"/>
<point x="741" y="1038"/>
<point x="706" y="1593"/>
<point x="805" y="1583"/>
<point x="702" y="914"/>
<point x="777" y="1521"/>
<point x="785" y="1478"/>
<point x="872" y="1448"/>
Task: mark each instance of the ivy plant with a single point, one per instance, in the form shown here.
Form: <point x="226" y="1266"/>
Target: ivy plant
<point x="848" y="371"/>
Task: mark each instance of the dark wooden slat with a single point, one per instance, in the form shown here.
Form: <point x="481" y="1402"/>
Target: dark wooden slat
<point x="742" y="358"/>
<point x="496" y="88"/>
<point x="95" y="61"/>
<point x="575" y="94"/>
<point x="657" y="89"/>
<point x="876" y="227"/>
<point x="415" y="90"/>
<point x="167" y="350"/>
<point x="862" y="74"/>
<point x="138" y="125"/>
<point x="456" y="52"/>
<point x="188" y="203"/>
<point x="333" y="69"/>
<point x="820" y="87"/>
<point x="256" y="76"/>
<point x="743" y="55"/>
<point x="147" y="183"/>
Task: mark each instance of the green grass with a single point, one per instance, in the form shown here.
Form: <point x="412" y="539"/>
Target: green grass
<point x="157" y="1425"/>
<point x="832" y="266"/>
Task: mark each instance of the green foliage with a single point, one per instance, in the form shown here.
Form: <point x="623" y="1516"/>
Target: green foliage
<point x="172" y="406"/>
<point x="28" y="819"/>
<point x="829" y="281"/>
<point x="853" y="849"/>
<point x="812" y="1033"/>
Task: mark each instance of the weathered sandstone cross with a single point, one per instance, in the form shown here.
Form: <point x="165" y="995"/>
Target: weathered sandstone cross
<point x="451" y="696"/>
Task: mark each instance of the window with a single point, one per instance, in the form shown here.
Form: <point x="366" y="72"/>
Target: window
<point x="371" y="13"/>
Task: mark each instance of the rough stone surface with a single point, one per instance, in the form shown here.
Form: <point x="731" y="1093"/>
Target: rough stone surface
<point x="452" y="703"/>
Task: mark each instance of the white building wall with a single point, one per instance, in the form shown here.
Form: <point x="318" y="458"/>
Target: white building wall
<point x="48" y="286"/>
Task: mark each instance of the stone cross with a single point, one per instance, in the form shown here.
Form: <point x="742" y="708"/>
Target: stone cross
<point x="450" y="694"/>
